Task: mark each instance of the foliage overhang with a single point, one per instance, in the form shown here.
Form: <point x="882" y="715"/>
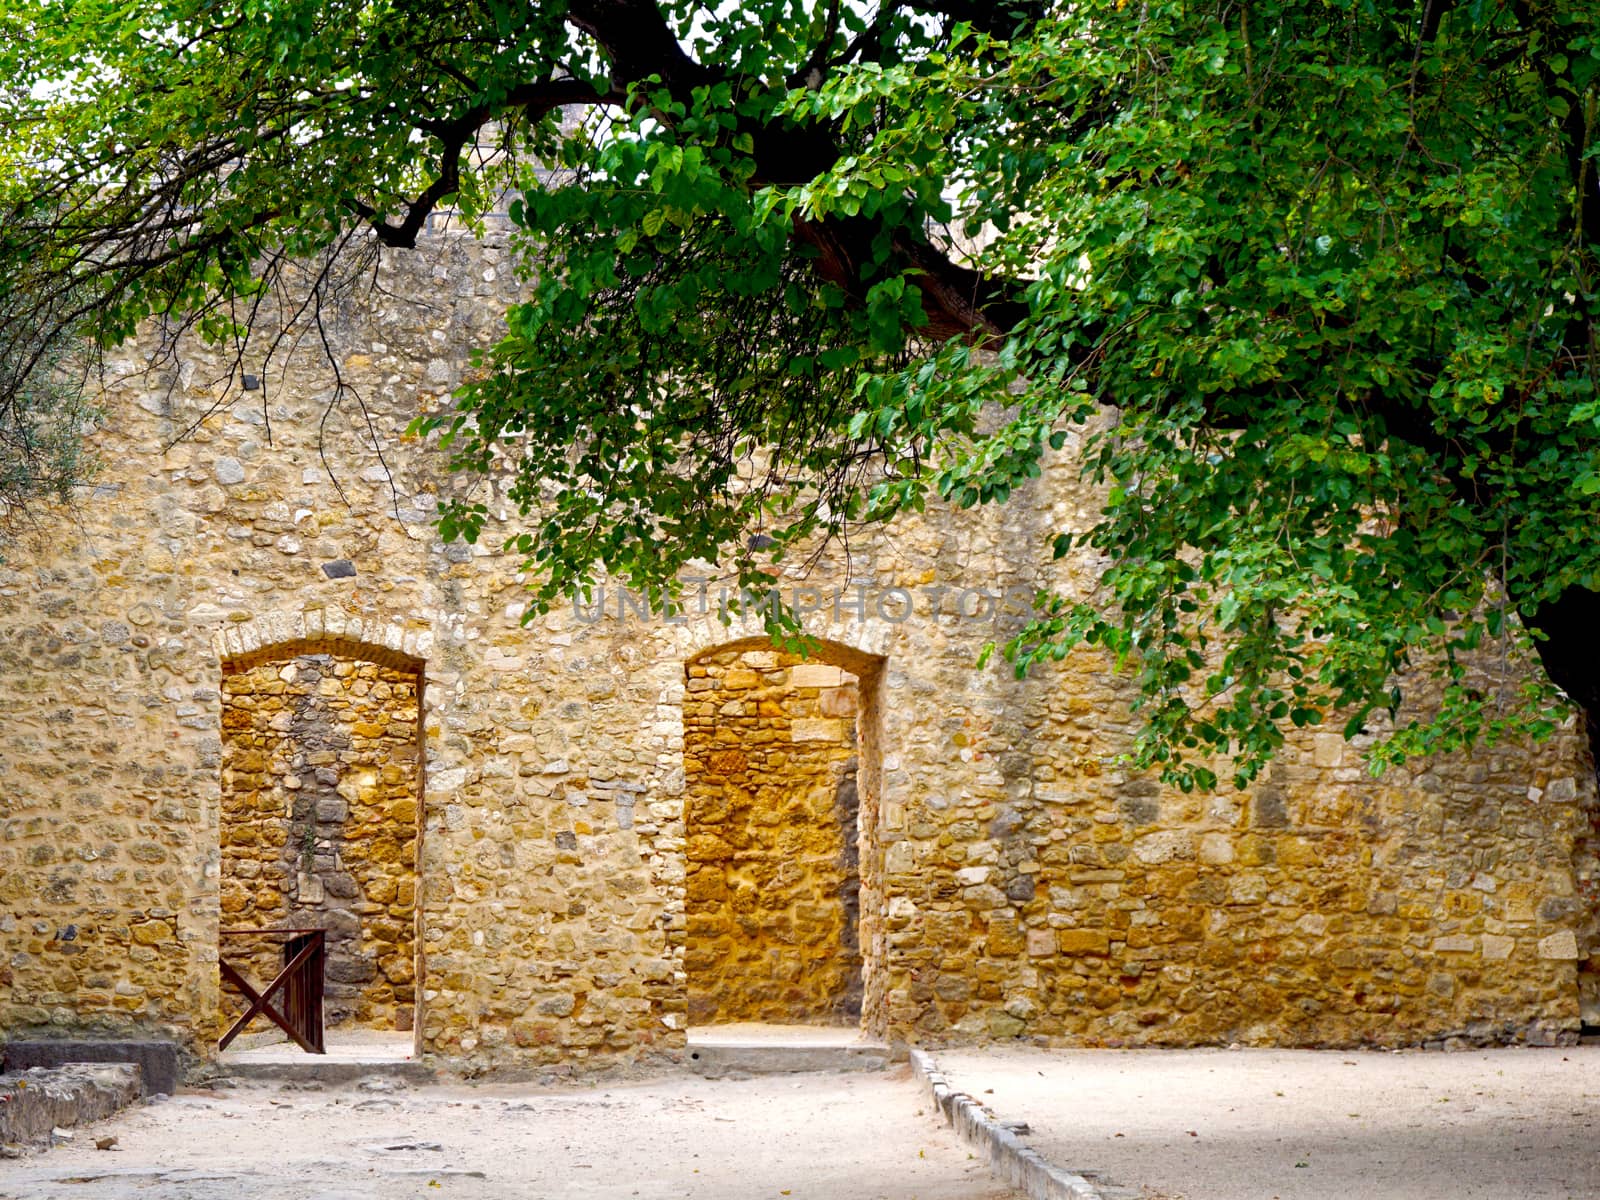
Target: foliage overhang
<point x="1309" y="283"/>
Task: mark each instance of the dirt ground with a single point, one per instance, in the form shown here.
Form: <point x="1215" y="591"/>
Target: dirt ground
<point x="825" y="1137"/>
<point x="1305" y="1125"/>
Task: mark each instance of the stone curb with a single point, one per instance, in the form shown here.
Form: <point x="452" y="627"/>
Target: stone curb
<point x="1022" y="1166"/>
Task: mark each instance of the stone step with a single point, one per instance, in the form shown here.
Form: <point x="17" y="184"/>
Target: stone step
<point x="159" y="1062"/>
<point x="317" y="1068"/>
<point x="351" y="1056"/>
<point x="781" y="1050"/>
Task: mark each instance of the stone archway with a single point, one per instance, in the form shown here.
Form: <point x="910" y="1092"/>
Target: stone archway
<point x="781" y="785"/>
<point x="320" y="797"/>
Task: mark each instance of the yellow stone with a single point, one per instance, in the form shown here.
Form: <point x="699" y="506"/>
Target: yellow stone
<point x="1082" y="941"/>
<point x="151" y="933"/>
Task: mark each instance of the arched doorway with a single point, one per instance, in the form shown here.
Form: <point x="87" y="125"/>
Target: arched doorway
<point x="781" y="781"/>
<point x="321" y="785"/>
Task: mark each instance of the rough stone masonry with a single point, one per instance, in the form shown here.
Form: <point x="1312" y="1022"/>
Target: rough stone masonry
<point x="1012" y="878"/>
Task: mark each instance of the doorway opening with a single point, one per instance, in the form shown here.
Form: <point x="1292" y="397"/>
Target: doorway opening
<point x="320" y="819"/>
<point x="780" y="776"/>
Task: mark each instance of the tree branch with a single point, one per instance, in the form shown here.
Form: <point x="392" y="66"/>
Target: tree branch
<point x="533" y="99"/>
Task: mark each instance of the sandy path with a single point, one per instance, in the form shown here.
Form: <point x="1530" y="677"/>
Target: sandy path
<point x="827" y="1137"/>
<point x="1306" y="1125"/>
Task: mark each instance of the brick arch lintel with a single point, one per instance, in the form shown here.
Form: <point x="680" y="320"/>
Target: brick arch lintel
<point x="863" y="664"/>
<point x="269" y="637"/>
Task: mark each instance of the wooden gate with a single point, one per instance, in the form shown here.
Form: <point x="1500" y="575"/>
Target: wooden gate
<point x="300" y="984"/>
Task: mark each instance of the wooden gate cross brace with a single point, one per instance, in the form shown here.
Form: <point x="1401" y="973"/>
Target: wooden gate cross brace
<point x="261" y="1002"/>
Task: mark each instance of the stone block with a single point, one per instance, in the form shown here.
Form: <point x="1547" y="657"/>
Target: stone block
<point x="151" y="933"/>
<point x="1082" y="941"/>
<point x="1168" y="846"/>
<point x="1497" y="948"/>
<point x="1004" y="938"/>
<point x="1383" y="904"/>
<point x="341" y="885"/>
<point x="158" y="1063"/>
<point x="1021" y="889"/>
<point x="815" y="675"/>
<point x="837" y="702"/>
<point x="817" y="729"/>
<point x="1327" y="750"/>
<point x="1560" y="946"/>
<point x="341" y="969"/>
<point x="1140" y="810"/>
<point x="1270" y="808"/>
<point x="1004" y="1025"/>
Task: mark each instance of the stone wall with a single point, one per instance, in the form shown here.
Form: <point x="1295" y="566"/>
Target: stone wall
<point x="320" y="781"/>
<point x="1017" y="879"/>
<point x="771" y="794"/>
<point x="1319" y="908"/>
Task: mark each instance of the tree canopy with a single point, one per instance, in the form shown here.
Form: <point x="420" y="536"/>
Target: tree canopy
<point x="1328" y="265"/>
